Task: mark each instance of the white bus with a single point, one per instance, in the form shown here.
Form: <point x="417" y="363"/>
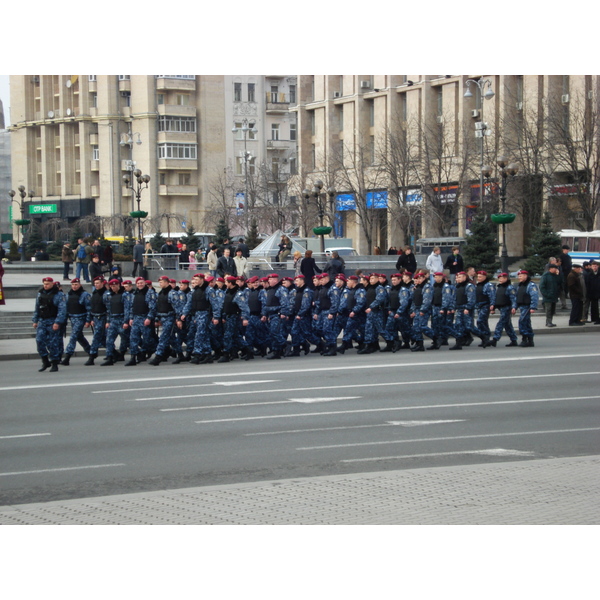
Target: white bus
<point x="584" y="245"/>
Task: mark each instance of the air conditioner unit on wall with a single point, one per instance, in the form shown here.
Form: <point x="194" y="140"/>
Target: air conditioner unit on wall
<point x="564" y="98"/>
<point x="337" y="94"/>
<point x="475" y="113"/>
<point x="365" y="85"/>
<point x="519" y="106"/>
<point x="440" y="119"/>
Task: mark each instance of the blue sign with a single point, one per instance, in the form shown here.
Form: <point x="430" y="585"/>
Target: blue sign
<point x="240" y="203"/>
<point x="376" y="199"/>
<point x="345" y="202"/>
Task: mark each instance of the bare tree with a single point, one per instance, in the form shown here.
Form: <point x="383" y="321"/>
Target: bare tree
<point x="222" y="192"/>
<point x="272" y="204"/>
<point x="574" y="155"/>
<point x="358" y="172"/>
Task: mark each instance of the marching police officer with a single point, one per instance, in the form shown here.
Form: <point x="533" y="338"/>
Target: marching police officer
<point x="78" y="311"/>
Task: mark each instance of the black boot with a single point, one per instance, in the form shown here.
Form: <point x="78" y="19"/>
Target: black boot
<point x="512" y="343"/>
<point x="389" y="346"/>
<point x="405" y="346"/>
<point x="132" y="361"/>
<point x="375" y="347"/>
<point x="318" y="349"/>
<point x="180" y="358"/>
<point x="365" y="349"/>
<point x="491" y="343"/>
<point x="295" y="351"/>
<point x="196" y="358"/>
<point x="435" y="345"/>
<point x="90" y="360"/>
<point x="484" y="341"/>
<point x="331" y="350"/>
<point x="468" y="340"/>
<point x="524" y="342"/>
<point x="54" y="366"/>
<point x="119" y="357"/>
<point x="246" y="354"/>
<point x="156" y="360"/>
<point x="530" y="342"/>
<point x="108" y="361"/>
<point x="274" y="354"/>
<point x="206" y="359"/>
<point x="457" y="345"/>
<point x="419" y="347"/>
<point x="224" y="358"/>
<point x="306" y="347"/>
<point x="397" y="346"/>
<point x="66" y="361"/>
<point x="143" y="356"/>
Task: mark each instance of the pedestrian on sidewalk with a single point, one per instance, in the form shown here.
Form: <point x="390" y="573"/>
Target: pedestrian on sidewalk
<point x="2" y="301"/>
<point x="550" y="287"/>
<point x="67" y="257"/>
<point x="576" y="293"/>
<point x="592" y="286"/>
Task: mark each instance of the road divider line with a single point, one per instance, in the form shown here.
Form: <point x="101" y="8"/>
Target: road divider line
<point x="22" y="435"/>
<point x="61" y="469"/>
<point x="353" y="386"/>
<point x="391" y="409"/>
<point x="490" y="452"/>
<point x="449" y="438"/>
<point x="341" y="427"/>
<point x="394" y="364"/>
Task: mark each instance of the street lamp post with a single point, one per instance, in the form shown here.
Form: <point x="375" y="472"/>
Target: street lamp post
<point x="22" y="222"/>
<point x="319" y="201"/>
<point x="246" y="127"/>
<point x="141" y="183"/>
<point x="503" y="217"/>
<point x="481" y="128"/>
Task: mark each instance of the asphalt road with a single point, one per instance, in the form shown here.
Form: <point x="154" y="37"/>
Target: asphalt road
<point x="91" y="431"/>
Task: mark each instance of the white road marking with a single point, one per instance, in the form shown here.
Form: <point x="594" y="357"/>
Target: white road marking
<point x="399" y="363"/>
<point x="243" y="404"/>
<point x="323" y="399"/>
<point x="245" y="382"/>
<point x="442" y="439"/>
<point x="61" y="469"/>
<point x="490" y="452"/>
<point x="23" y="435"/>
<point x="387" y="409"/>
<point x="353" y="386"/>
<point x="309" y="430"/>
<point x="419" y="423"/>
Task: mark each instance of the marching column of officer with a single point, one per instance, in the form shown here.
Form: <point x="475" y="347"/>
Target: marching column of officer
<point x="274" y="317"/>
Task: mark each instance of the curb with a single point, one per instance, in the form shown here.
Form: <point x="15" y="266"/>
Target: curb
<point x="553" y="331"/>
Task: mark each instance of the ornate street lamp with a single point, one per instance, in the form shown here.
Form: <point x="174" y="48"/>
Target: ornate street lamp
<point x="246" y="127"/>
<point x="481" y="128"/>
<point x="503" y="218"/>
<point x="319" y="198"/>
<point x="22" y="222"/>
<point x="141" y="182"/>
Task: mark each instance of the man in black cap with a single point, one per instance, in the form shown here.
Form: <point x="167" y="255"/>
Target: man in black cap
<point x="576" y="293"/>
<point x="565" y="266"/>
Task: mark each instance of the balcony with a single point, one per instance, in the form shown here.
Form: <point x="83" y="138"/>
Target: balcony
<point x="277" y="103"/>
<point x="95" y="191"/>
<point x="178" y="190"/>
<point x="124" y="84"/>
<point x="180" y="164"/>
<point x="94" y="139"/>
<point x="176" y="110"/>
<point x="172" y="83"/>
<point x="278" y="144"/>
<point x="95" y="165"/>
<point x="181" y="137"/>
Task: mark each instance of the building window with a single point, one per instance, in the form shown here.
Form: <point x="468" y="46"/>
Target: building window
<point x="293" y="94"/>
<point x="372" y="113"/>
<point x="94" y="100"/>
<point x="173" y="123"/>
<point x="274" y="131"/>
<point x="124" y="77"/>
<point x="182" y="99"/>
<point x="184" y="178"/>
<point x="293" y="132"/>
<point x="95" y="153"/>
<point x="175" y="76"/>
<point x="274" y="93"/>
<point x="162" y="178"/>
<point x="293" y="166"/>
<point x="91" y="77"/>
<point x="251" y="92"/>
<point x="237" y="92"/>
<point x="160" y="99"/>
<point x="275" y="167"/>
<point x="239" y="166"/>
<point x="185" y="151"/>
<point x="440" y="102"/>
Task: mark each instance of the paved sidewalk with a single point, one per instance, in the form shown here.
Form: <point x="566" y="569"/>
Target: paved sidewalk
<point x="559" y="491"/>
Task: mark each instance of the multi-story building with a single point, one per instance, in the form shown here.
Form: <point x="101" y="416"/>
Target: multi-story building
<point x="409" y="154"/>
<point x="74" y="137"/>
<point x="261" y="140"/>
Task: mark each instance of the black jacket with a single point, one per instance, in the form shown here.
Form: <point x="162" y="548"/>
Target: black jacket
<point x="408" y="262"/>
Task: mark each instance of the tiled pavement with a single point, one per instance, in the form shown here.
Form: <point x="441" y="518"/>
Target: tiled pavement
<point x="546" y="491"/>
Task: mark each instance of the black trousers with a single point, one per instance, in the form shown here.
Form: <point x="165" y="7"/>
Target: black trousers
<point x="576" y="310"/>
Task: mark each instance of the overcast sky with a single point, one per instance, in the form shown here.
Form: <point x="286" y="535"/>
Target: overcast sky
<point x="5" y="97"/>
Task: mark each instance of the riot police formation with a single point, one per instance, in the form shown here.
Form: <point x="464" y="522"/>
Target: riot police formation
<point x="215" y="319"/>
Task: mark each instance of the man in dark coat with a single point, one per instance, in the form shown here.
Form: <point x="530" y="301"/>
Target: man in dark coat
<point x="407" y="261"/>
<point x="565" y="265"/>
<point x="576" y="293"/>
<point x="592" y="286"/>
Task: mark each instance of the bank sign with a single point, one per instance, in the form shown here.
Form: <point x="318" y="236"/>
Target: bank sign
<point x="43" y="209"/>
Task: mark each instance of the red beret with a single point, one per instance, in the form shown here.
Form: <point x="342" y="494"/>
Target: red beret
<point x="253" y="279"/>
<point x="201" y="275"/>
<point x="273" y="276"/>
<point x="461" y="273"/>
<point x="208" y="278"/>
<point x="482" y="273"/>
<point x="264" y="279"/>
<point x="341" y="276"/>
<point x="397" y="275"/>
<point x="163" y="278"/>
<point x="172" y="281"/>
<point x="353" y="277"/>
<point x="220" y="280"/>
<point x="148" y="282"/>
<point x="185" y="281"/>
<point x="502" y="274"/>
<point x="527" y="272"/>
<point x="49" y="279"/>
<point x="99" y="278"/>
<point x="74" y="280"/>
<point x="127" y="281"/>
<point x="438" y="274"/>
<point x="229" y="278"/>
<point x="139" y="279"/>
<point x="408" y="273"/>
<point x="299" y="277"/>
<point x="323" y="275"/>
<point x="114" y="282"/>
<point x="287" y="278"/>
